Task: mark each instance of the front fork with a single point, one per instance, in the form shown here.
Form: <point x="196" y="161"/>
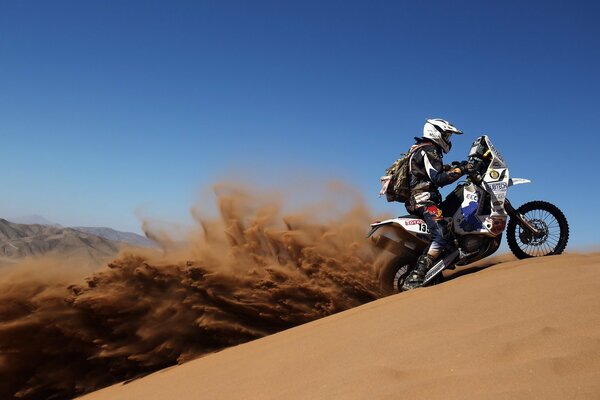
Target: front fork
<point x="523" y="222"/>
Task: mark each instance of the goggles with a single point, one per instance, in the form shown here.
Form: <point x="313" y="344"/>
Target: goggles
<point x="445" y="134"/>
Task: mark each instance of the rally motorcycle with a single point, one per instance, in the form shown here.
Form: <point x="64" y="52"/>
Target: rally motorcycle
<point x="476" y="212"/>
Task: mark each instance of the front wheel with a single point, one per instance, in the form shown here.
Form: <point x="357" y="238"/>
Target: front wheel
<point x="552" y="227"/>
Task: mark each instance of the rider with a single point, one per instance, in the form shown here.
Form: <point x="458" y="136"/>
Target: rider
<point x="427" y="174"/>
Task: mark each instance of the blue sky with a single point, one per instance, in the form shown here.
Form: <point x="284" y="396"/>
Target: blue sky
<point x="108" y="107"/>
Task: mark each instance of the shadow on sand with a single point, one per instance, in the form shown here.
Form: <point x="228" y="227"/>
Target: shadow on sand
<point x="475" y="267"/>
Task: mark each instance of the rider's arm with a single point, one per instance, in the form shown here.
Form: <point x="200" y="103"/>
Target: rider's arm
<point x="435" y="169"/>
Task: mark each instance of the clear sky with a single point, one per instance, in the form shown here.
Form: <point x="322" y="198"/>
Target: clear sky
<point x="108" y="107"/>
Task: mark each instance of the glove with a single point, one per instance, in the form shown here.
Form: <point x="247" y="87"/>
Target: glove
<point x="452" y="166"/>
<point x="467" y="167"/>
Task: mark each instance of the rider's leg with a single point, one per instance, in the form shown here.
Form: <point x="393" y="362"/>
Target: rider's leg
<point x="433" y="217"/>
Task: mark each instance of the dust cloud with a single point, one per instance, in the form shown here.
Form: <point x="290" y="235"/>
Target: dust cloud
<point x="252" y="271"/>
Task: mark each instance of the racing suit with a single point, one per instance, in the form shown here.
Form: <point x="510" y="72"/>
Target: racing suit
<point x="427" y="174"/>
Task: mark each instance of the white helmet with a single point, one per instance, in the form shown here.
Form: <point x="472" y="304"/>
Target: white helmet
<point x="439" y="131"/>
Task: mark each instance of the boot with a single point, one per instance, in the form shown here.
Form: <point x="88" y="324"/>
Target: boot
<point x="416" y="277"/>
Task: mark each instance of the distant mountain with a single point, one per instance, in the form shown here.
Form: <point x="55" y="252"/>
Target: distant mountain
<point x="33" y="220"/>
<point x="107" y="233"/>
<point x="21" y="240"/>
<point x="118" y="236"/>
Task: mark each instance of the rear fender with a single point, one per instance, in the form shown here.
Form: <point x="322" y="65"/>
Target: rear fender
<point x="391" y="236"/>
<point x="379" y="224"/>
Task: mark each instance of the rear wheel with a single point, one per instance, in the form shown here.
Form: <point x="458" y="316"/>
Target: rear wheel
<point x="392" y="272"/>
<point x="551" y="224"/>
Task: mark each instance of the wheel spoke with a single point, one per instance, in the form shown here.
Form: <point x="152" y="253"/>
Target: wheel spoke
<point x="553" y="231"/>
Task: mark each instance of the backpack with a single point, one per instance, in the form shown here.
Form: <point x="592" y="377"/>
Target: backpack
<point x="395" y="184"/>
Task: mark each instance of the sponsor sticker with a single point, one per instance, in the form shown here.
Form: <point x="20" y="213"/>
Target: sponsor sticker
<point x="497" y="187"/>
<point x="496" y="152"/>
<point x="422" y="226"/>
<point x="472" y="196"/>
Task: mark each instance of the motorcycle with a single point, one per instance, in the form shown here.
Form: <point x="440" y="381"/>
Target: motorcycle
<point x="476" y="212"/>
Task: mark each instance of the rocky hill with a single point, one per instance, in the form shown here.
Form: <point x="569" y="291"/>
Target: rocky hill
<point x="20" y="240"/>
<point x="117" y="236"/>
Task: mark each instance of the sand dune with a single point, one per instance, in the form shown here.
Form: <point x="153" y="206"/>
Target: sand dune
<point x="519" y="330"/>
<point x="516" y="330"/>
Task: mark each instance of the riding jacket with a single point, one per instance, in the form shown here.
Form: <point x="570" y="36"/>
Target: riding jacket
<point x="428" y="173"/>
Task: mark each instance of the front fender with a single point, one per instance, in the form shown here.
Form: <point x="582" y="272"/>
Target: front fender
<point x="517" y="181"/>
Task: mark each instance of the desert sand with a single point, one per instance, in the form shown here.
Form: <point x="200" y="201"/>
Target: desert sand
<point x="525" y="329"/>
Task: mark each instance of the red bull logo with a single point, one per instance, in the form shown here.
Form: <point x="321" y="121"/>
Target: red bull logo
<point x="435" y="212"/>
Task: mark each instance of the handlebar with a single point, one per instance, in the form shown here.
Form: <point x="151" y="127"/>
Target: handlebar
<point x="479" y="168"/>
